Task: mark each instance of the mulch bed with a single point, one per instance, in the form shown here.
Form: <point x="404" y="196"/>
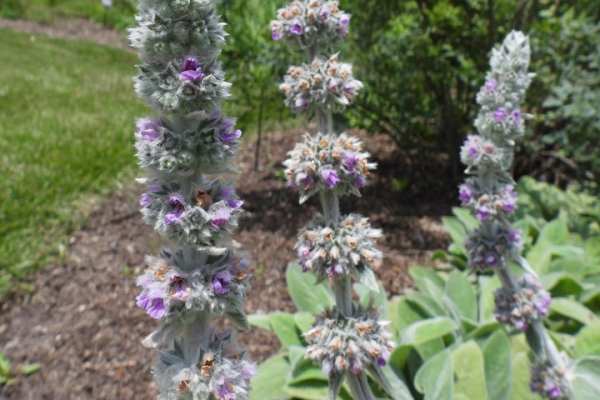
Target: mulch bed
<point x="81" y="323"/>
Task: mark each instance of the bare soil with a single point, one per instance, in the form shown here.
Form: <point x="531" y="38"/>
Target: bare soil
<point x="71" y="28"/>
<point x="81" y="324"/>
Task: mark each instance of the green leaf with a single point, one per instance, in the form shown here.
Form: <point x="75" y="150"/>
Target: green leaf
<point x="520" y="371"/>
<point x="424" y="331"/>
<point x="307" y="390"/>
<point x="488" y="286"/>
<point x="284" y="326"/>
<point x="304" y="321"/>
<point x="586" y="385"/>
<point x="498" y="368"/>
<point x="434" y="378"/>
<point x="306" y="294"/>
<point x="466" y="218"/>
<point x="573" y="310"/>
<point x="456" y="230"/>
<point x="469" y="371"/>
<point x="396" y="388"/>
<point x="587" y="342"/>
<point x="402" y="314"/>
<point x="269" y="381"/>
<point x="369" y="280"/>
<point x="562" y="284"/>
<point x="30" y="369"/>
<point x="306" y="370"/>
<point x="5" y="367"/>
<point x="261" y="320"/>
<point x="460" y="291"/>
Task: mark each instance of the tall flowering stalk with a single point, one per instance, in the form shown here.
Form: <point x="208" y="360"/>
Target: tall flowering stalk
<point x="349" y="340"/>
<point x="521" y="302"/>
<point x="186" y="152"/>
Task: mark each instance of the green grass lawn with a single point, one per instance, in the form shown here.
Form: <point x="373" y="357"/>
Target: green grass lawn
<point x="67" y="111"/>
<point x="119" y="16"/>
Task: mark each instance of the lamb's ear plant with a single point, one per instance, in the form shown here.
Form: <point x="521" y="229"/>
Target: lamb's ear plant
<point x="521" y="303"/>
<point x="186" y="151"/>
<point x="348" y="341"/>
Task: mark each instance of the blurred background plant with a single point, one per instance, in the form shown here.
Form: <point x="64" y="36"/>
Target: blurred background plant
<point x="425" y="62"/>
<point x="448" y="341"/>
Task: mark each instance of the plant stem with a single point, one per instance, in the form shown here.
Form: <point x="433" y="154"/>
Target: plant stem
<point x="330" y="204"/>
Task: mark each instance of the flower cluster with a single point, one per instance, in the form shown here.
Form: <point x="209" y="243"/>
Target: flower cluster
<point x="183" y="85"/>
<point x="504" y="90"/>
<point x="168" y="285"/>
<point x="342" y="344"/>
<point x="490" y="194"/>
<point x="166" y="149"/>
<point x="323" y="83"/>
<point x="520" y="307"/>
<point x="492" y="246"/>
<point x="488" y="205"/>
<point x="199" y="215"/>
<point x="480" y="153"/>
<point x="312" y="23"/>
<point x="328" y="162"/>
<point x="549" y="381"/>
<point x="212" y="375"/>
<point x="168" y="28"/>
<point x="344" y="249"/>
<point x="185" y="151"/>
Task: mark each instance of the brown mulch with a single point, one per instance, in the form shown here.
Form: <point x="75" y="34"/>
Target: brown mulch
<point x="70" y="28"/>
<point x="81" y="323"/>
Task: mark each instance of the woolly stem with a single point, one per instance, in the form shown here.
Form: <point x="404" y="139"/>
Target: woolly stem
<point x="330" y="204"/>
<point x="359" y="387"/>
<point x="342" y="288"/>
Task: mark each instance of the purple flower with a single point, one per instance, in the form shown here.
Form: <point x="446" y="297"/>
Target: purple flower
<point x="509" y="200"/>
<point x="301" y="103"/>
<point x="148" y="129"/>
<point x="360" y="181"/>
<point x="500" y="115"/>
<point x="190" y="64"/>
<point x="177" y="208"/>
<point x="514" y="237"/>
<point x="276" y="34"/>
<point x="220" y="217"/>
<point x="191" y="76"/>
<point x="472" y="146"/>
<point x="491" y="86"/>
<point x="224" y="391"/>
<point x="248" y="371"/>
<point x="305" y="180"/>
<point x="179" y="288"/>
<point x="221" y="282"/>
<point x="465" y="194"/>
<point x="297" y="29"/>
<point x="330" y="178"/>
<point x="145" y="200"/>
<point x="345" y="20"/>
<point x="491" y="259"/>
<point x="228" y="194"/>
<point x="154" y="306"/>
<point x="555" y="392"/>
<point x="350" y="160"/>
<point x="483" y="213"/>
<point x="516" y="115"/>
<point x="230" y="137"/>
<point x="154" y="188"/>
<point x="191" y="70"/>
<point x="543" y="301"/>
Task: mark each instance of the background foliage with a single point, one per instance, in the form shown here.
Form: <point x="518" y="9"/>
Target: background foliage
<point x="422" y="62"/>
<point x="449" y="345"/>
